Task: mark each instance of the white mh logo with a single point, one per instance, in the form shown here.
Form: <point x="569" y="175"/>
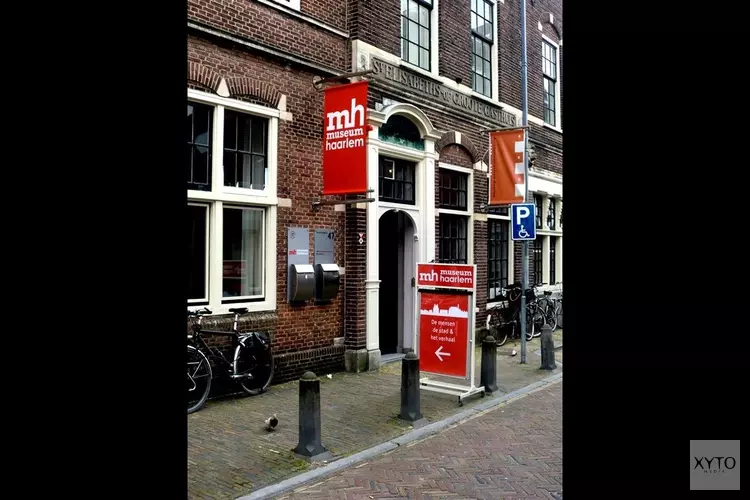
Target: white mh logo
<point x="339" y="120"/>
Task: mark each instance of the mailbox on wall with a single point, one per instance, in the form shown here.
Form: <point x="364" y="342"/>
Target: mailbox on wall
<point x="300" y="273"/>
<point x="301" y="282"/>
<point x="327" y="280"/>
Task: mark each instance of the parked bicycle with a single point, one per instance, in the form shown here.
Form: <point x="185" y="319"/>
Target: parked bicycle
<point x="551" y="306"/>
<point x="504" y="322"/>
<point x="251" y="364"/>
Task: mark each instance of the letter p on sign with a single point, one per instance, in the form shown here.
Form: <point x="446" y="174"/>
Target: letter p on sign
<point x="522" y="212"/>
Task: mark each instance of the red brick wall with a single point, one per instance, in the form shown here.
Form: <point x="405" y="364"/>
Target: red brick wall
<point x="377" y="23"/>
<point x="480" y="245"/>
<point x="273" y="28"/>
<point x="332" y="12"/>
<point x="356" y="274"/>
<point x="455" y="40"/>
<point x="306" y="327"/>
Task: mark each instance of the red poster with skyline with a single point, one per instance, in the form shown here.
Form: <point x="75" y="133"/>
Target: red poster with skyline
<point x="443" y="333"/>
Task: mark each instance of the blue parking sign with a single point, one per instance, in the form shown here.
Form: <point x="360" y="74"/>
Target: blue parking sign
<point x="523" y="221"/>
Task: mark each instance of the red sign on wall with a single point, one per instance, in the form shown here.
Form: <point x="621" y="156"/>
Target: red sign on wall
<point x="345" y="139"/>
<point x="443" y="333"/>
<point x="460" y="276"/>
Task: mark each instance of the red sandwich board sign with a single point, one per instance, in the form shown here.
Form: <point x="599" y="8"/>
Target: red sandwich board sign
<point x="445" y="327"/>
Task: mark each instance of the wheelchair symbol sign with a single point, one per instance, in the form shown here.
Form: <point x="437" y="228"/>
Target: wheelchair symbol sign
<point x="523" y="221"/>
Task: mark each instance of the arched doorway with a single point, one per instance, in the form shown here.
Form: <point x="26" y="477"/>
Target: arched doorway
<point x="397" y="263"/>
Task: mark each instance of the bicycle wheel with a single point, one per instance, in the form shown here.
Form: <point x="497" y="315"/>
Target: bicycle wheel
<point x="548" y="309"/>
<point x="257" y="362"/>
<point x="498" y="330"/>
<point x="535" y="320"/>
<point x="199" y="376"/>
<point x="550" y="315"/>
<point x="540" y="319"/>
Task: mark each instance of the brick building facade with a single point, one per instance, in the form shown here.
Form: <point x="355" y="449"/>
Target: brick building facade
<point x="442" y="71"/>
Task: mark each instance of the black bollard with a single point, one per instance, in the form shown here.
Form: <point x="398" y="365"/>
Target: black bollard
<point x="410" y="388"/>
<point x="548" y="349"/>
<point x="488" y="377"/>
<point x="309" y="445"/>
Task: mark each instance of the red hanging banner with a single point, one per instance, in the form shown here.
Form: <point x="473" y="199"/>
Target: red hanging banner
<point x="345" y="139"/>
<point x="506" y="167"/>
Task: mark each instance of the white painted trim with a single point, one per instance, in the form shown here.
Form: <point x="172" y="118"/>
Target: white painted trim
<point x="206" y="98"/>
<point x="558" y="84"/>
<point x="463" y="170"/>
<point x="392" y="205"/>
<point x="559" y="261"/>
<point x="546" y="175"/>
<point x="495" y="60"/>
<point x="247" y="199"/>
<point x="448" y="211"/>
<point x="435" y="38"/>
<point x="418" y="117"/>
<point x="294" y="10"/>
<point x="207" y="208"/>
<point x="396" y="151"/>
<point x="545" y="186"/>
<point x="288" y="4"/>
<point x="545" y="258"/>
<point x="263" y="241"/>
<point x="498" y="217"/>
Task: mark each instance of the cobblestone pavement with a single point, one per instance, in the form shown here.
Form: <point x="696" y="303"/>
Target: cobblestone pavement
<point x="230" y="454"/>
<point x="511" y="451"/>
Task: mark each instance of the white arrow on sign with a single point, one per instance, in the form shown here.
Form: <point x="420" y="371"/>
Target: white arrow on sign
<point x="440" y="352"/>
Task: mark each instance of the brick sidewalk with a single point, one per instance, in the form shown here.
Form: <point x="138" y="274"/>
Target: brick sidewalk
<point x="230" y="454"/>
<point x="513" y="450"/>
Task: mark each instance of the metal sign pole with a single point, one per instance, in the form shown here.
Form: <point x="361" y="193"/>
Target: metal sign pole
<point x="524" y="122"/>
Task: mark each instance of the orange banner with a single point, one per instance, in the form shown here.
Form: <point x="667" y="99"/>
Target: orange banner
<point x="506" y="167"/>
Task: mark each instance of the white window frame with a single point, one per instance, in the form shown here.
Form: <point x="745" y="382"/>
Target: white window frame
<point x="207" y="208"/>
<point x="434" y="41"/>
<point x="557" y="126"/>
<point x="468" y="213"/>
<point x="219" y="195"/>
<point x="495" y="97"/>
<point x="290" y="4"/>
<point x="544" y="234"/>
<point x="511" y="255"/>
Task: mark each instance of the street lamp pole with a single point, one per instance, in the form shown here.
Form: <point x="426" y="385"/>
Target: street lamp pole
<point x="524" y="122"/>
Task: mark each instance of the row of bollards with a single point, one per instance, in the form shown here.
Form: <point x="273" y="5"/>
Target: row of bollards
<point x="310" y="445"/>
